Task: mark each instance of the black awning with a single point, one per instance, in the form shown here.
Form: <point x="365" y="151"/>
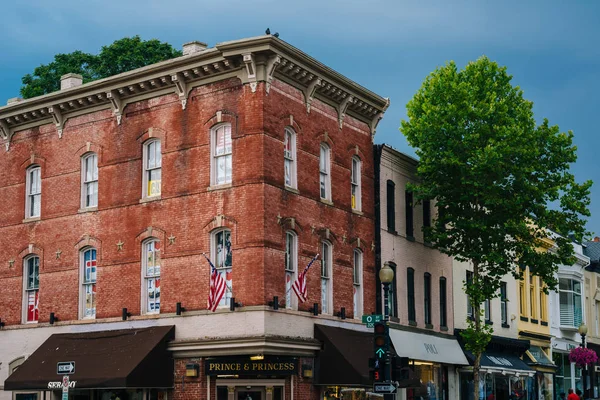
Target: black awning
<point x="127" y="358"/>
<point x="344" y="360"/>
<point x="503" y="361"/>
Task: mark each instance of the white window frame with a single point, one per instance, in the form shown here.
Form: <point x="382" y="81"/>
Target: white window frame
<point x="326" y="277"/>
<point x="356" y="184"/>
<point x="325" y="172"/>
<point x="226" y="156"/>
<point x="33" y="192"/>
<point x="357" y="283"/>
<point x="291" y="269"/>
<point x="575" y="322"/>
<point x="89" y="181"/>
<point x="85" y="283"/>
<point x="222" y="269"/>
<point x="30" y="288"/>
<point x="150" y="277"/>
<point x="155" y="189"/>
<point x="289" y="159"/>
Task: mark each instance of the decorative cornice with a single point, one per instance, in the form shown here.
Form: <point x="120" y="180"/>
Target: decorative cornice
<point x="256" y="59"/>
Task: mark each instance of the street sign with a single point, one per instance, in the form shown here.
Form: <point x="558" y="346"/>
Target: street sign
<point x="65" y="367"/>
<point x="385" y="387"/>
<point x="371" y="319"/>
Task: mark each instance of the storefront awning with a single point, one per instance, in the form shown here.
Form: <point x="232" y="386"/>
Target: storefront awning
<point x="344" y="360"/>
<point x="419" y="346"/>
<point x="128" y="358"/>
<point x="503" y="361"/>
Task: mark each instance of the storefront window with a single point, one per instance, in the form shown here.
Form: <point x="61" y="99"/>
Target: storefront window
<point x="433" y="379"/>
<point x="567" y="376"/>
<point x="495" y="386"/>
<point x="348" y="393"/>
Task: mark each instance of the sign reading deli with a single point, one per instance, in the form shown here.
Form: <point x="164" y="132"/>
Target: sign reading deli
<point x="244" y="366"/>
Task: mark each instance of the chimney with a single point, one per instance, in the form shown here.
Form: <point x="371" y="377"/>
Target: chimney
<point x="597" y="239"/>
<point x="13" y="100"/>
<point x="193" y="47"/>
<point x="69" y="81"/>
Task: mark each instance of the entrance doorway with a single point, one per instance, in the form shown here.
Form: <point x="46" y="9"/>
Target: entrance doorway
<point x="249" y="394"/>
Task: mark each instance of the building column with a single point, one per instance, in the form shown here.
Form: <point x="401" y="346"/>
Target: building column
<point x="230" y="392"/>
<point x="269" y="395"/>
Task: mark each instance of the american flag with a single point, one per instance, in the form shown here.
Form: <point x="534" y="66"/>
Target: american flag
<point x="217" y="287"/>
<point x="299" y="284"/>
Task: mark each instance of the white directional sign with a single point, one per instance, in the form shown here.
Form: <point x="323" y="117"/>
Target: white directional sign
<point x="67" y="367"/>
<point x="384" y="387"/>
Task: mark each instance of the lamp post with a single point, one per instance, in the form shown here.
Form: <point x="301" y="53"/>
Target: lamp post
<point x="386" y="276"/>
<point x="583" y="329"/>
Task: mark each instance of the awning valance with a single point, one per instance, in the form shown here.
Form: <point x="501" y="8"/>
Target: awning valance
<point x="419" y="346"/>
<point x="503" y="361"/>
<point x="127" y="358"/>
<point x="344" y="360"/>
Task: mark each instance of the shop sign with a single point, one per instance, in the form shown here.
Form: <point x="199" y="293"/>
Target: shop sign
<point x="243" y="366"/>
<point x="59" y="385"/>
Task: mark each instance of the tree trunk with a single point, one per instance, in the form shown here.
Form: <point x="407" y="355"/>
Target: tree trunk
<point x="477" y="317"/>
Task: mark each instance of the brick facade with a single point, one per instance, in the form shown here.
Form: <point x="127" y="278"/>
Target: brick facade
<point x="256" y="207"/>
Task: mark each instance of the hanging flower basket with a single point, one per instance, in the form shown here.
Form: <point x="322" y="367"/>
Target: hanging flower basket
<point x="582" y="356"/>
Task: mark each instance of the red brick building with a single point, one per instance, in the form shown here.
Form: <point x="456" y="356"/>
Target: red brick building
<point x="251" y="153"/>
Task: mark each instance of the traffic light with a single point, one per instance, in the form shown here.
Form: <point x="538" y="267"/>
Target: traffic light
<point x="400" y="368"/>
<point x="381" y="342"/>
<point x="376" y="370"/>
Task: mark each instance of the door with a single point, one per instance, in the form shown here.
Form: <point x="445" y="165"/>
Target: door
<point x="249" y="394"/>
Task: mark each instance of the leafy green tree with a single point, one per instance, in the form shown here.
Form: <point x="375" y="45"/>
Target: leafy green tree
<point x="121" y="56"/>
<point x="499" y="181"/>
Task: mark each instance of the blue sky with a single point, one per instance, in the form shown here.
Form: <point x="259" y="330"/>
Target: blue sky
<point x="550" y="47"/>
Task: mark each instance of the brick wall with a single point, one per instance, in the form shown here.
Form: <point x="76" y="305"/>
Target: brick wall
<point x="187" y="207"/>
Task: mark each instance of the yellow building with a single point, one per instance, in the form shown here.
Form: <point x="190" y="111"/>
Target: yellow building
<point x="533" y="325"/>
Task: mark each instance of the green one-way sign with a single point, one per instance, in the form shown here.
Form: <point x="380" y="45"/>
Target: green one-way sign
<point x="372" y="319"/>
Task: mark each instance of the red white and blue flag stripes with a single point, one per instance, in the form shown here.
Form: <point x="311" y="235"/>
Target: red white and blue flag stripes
<point x="299" y="284"/>
<point x="217" y="287"/>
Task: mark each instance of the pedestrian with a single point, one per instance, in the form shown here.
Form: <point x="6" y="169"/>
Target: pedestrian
<point x="572" y="396"/>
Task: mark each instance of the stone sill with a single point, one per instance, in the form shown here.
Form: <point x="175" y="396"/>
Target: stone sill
<point x="291" y="189"/>
<point x="87" y="209"/>
<point x="31" y="219"/>
<point x="150" y="199"/>
<point x="328" y="202"/>
<point x="219" y="187"/>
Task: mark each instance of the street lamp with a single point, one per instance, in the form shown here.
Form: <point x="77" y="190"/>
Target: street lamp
<point x="386" y="276"/>
<point x="583" y="329"/>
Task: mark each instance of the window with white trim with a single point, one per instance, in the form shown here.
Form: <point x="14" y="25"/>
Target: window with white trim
<point x="325" y="172"/>
<point x="33" y="201"/>
<point x="357" y="287"/>
<point x="151" y="250"/>
<point x="152" y="180"/>
<point x="221" y="154"/>
<point x="289" y="157"/>
<point x="571" y="308"/>
<point x="31" y="295"/>
<point x="326" y="278"/>
<point x="88" y="283"/>
<point x="355" y="181"/>
<point x="89" y="180"/>
<point x="222" y="255"/>
<point x="291" y="257"/>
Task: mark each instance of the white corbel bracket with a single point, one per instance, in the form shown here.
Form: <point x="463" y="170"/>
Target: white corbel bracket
<point x="58" y="118"/>
<point x="250" y="70"/>
<point x="272" y="64"/>
<point x="343" y="107"/>
<point x="181" y="88"/>
<point x="309" y="93"/>
<point x="377" y="118"/>
<point x="5" y="133"/>
<point x="115" y="102"/>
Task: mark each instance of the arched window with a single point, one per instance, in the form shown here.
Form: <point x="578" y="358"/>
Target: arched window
<point x="289" y="157"/>
<point x="152" y="179"/>
<point x="355" y="182"/>
<point x="357" y="289"/>
<point x="31" y="298"/>
<point x="410" y="294"/>
<point x="326" y="277"/>
<point x="427" y="297"/>
<point x="33" y="200"/>
<point x="222" y="254"/>
<point x="325" y="172"/>
<point x="291" y="268"/>
<point x="221" y="149"/>
<point x="88" y="283"/>
<point x="89" y="180"/>
<point x="151" y="261"/>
